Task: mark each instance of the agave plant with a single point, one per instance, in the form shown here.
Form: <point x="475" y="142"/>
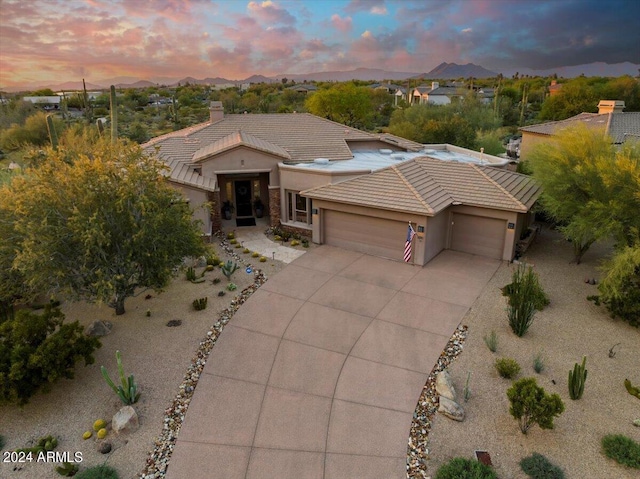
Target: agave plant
<point x="127" y="391"/>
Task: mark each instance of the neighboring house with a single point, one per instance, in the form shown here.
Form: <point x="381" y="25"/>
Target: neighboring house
<point x="398" y="91"/>
<point x="610" y="119"/>
<point x="435" y="94"/>
<point x="554" y="88"/>
<point x="303" y="88"/>
<point x="347" y="187"/>
<point x="46" y="102"/>
<point x="486" y="95"/>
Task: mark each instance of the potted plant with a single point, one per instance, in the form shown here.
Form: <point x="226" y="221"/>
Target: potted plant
<point x="258" y="205"/>
<point x="227" y="210"/>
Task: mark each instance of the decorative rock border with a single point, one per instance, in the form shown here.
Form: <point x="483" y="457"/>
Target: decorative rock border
<point x="417" y="449"/>
<point x="159" y="457"/>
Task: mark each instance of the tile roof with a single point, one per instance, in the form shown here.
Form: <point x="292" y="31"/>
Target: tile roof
<point x="617" y="125"/>
<point x="184" y="174"/>
<point x="427" y="186"/>
<point x="239" y="138"/>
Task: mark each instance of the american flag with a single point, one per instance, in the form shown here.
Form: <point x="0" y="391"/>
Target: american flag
<point x="407" y="246"/>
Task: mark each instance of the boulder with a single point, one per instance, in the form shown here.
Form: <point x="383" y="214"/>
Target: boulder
<point x="444" y="386"/>
<point x="99" y="328"/>
<point x="104" y="447"/>
<point x="451" y="409"/>
<point x="125" y="420"/>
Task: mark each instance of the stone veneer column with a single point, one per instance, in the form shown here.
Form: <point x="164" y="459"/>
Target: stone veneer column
<point x="274" y="206"/>
<point x="216" y="220"/>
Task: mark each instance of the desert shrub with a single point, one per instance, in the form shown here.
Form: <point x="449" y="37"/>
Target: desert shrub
<point x="491" y="340"/>
<point x="200" y="303"/>
<point x="462" y="468"/>
<point x="530" y="404"/>
<point x="507" y="368"/>
<point x="537" y="466"/>
<point x="524" y="295"/>
<point x="525" y="281"/>
<point x="232" y="287"/>
<point x="622" y="449"/>
<point x="538" y="363"/>
<point x="37" y="350"/>
<point x="98" y="472"/>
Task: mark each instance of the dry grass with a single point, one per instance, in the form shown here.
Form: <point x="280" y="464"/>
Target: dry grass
<point x="568" y="329"/>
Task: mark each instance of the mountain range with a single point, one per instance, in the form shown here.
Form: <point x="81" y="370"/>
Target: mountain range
<point x="444" y="71"/>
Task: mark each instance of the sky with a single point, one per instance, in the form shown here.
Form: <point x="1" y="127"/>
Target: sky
<point x="67" y="40"/>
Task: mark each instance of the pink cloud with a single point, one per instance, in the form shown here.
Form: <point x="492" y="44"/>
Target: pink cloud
<point x="269" y="12"/>
<point x="343" y="25"/>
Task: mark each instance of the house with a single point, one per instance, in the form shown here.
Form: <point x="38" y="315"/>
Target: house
<point x="46" y="102"/>
<point x="346" y="187"/>
<point x="610" y="120"/>
<point x="554" y="88"/>
<point x="435" y="94"/>
<point x="303" y="88"/>
<point x="398" y="91"/>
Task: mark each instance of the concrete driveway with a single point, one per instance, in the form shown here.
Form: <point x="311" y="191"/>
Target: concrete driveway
<point x="318" y="374"/>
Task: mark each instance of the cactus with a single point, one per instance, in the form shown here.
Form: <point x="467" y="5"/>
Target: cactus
<point x="255" y="254"/>
<point x="200" y="303"/>
<point x="87" y="435"/>
<point x="67" y="469"/>
<point x="577" y="378"/>
<point x="232" y="287"/>
<point x="114" y="115"/>
<point x="633" y="390"/>
<point x="229" y="268"/>
<point x="263" y="259"/>
<point x="99" y="424"/>
<point x="53" y="136"/>
<point x="44" y="444"/>
<point x="127" y="391"/>
<point x="190" y="274"/>
<point x="102" y="433"/>
<point x="100" y="126"/>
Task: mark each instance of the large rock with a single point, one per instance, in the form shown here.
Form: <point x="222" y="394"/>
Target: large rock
<point x="99" y="328"/>
<point x="444" y="386"/>
<point x="451" y="409"/>
<point x="125" y="420"/>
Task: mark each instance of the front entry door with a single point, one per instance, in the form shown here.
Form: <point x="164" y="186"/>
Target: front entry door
<point x="243" y="198"/>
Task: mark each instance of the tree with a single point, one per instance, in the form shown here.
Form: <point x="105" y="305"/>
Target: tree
<point x="98" y="227"/>
<point x="38" y="349"/>
<point x="345" y="103"/>
<point x="34" y="132"/>
<point x="530" y="404"/>
<point x="590" y="186"/>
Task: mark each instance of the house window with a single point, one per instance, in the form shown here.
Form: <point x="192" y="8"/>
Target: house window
<point x="298" y="208"/>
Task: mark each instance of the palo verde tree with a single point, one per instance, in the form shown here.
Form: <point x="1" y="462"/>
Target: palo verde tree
<point x="590" y="187"/>
<point x="345" y="103"/>
<point x="98" y="227"/>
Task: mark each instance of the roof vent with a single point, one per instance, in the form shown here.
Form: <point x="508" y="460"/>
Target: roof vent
<point x="385" y="151"/>
<point x="397" y="156"/>
<point x="321" y="161"/>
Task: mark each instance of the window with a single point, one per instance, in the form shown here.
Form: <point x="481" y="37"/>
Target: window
<point x="298" y="208"/>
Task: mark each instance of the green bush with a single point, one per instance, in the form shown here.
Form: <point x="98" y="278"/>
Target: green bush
<point x="37" y="350"/>
<point x="461" y="468"/>
<point x="524" y="296"/>
<point x="507" y="368"/>
<point x="98" y="472"/>
<point x="530" y="404"/>
<point x="622" y="449"/>
<point x="537" y="466"/>
<point x="538" y="363"/>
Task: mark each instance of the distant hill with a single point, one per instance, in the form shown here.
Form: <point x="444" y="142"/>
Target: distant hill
<point x="450" y="71"/>
<point x="75" y="86"/>
<point x="365" y="74"/>
<point x="598" y="69"/>
<point x="138" y="84"/>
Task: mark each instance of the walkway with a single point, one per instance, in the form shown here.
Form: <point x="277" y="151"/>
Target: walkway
<point x="318" y="374"/>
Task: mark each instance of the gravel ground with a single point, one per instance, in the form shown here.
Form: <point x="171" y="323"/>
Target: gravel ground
<point x="157" y="355"/>
<point x="568" y="329"/>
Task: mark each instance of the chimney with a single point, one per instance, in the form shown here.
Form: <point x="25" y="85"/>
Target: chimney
<point x="216" y="111"/>
<point x="434" y="85"/>
<point x="610" y="106"/>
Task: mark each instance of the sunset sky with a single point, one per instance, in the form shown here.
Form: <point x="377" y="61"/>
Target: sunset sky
<point x="60" y="40"/>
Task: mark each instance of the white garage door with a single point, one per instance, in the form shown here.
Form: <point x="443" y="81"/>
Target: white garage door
<point x="478" y="235"/>
<point x="375" y="236"/>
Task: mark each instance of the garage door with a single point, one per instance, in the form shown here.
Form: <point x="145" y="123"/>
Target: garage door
<point x="478" y="235"/>
<point x="375" y="236"/>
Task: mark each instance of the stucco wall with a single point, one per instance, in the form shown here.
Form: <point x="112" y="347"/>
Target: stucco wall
<point x="242" y="159"/>
<point x="436" y="234"/>
<point x="197" y="201"/>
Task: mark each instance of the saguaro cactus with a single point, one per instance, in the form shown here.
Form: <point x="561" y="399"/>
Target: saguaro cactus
<point x="53" y="136"/>
<point x="114" y="116"/>
<point x="577" y="378"/>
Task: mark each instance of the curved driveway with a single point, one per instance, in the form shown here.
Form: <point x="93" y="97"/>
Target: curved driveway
<point x="318" y="374"/>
